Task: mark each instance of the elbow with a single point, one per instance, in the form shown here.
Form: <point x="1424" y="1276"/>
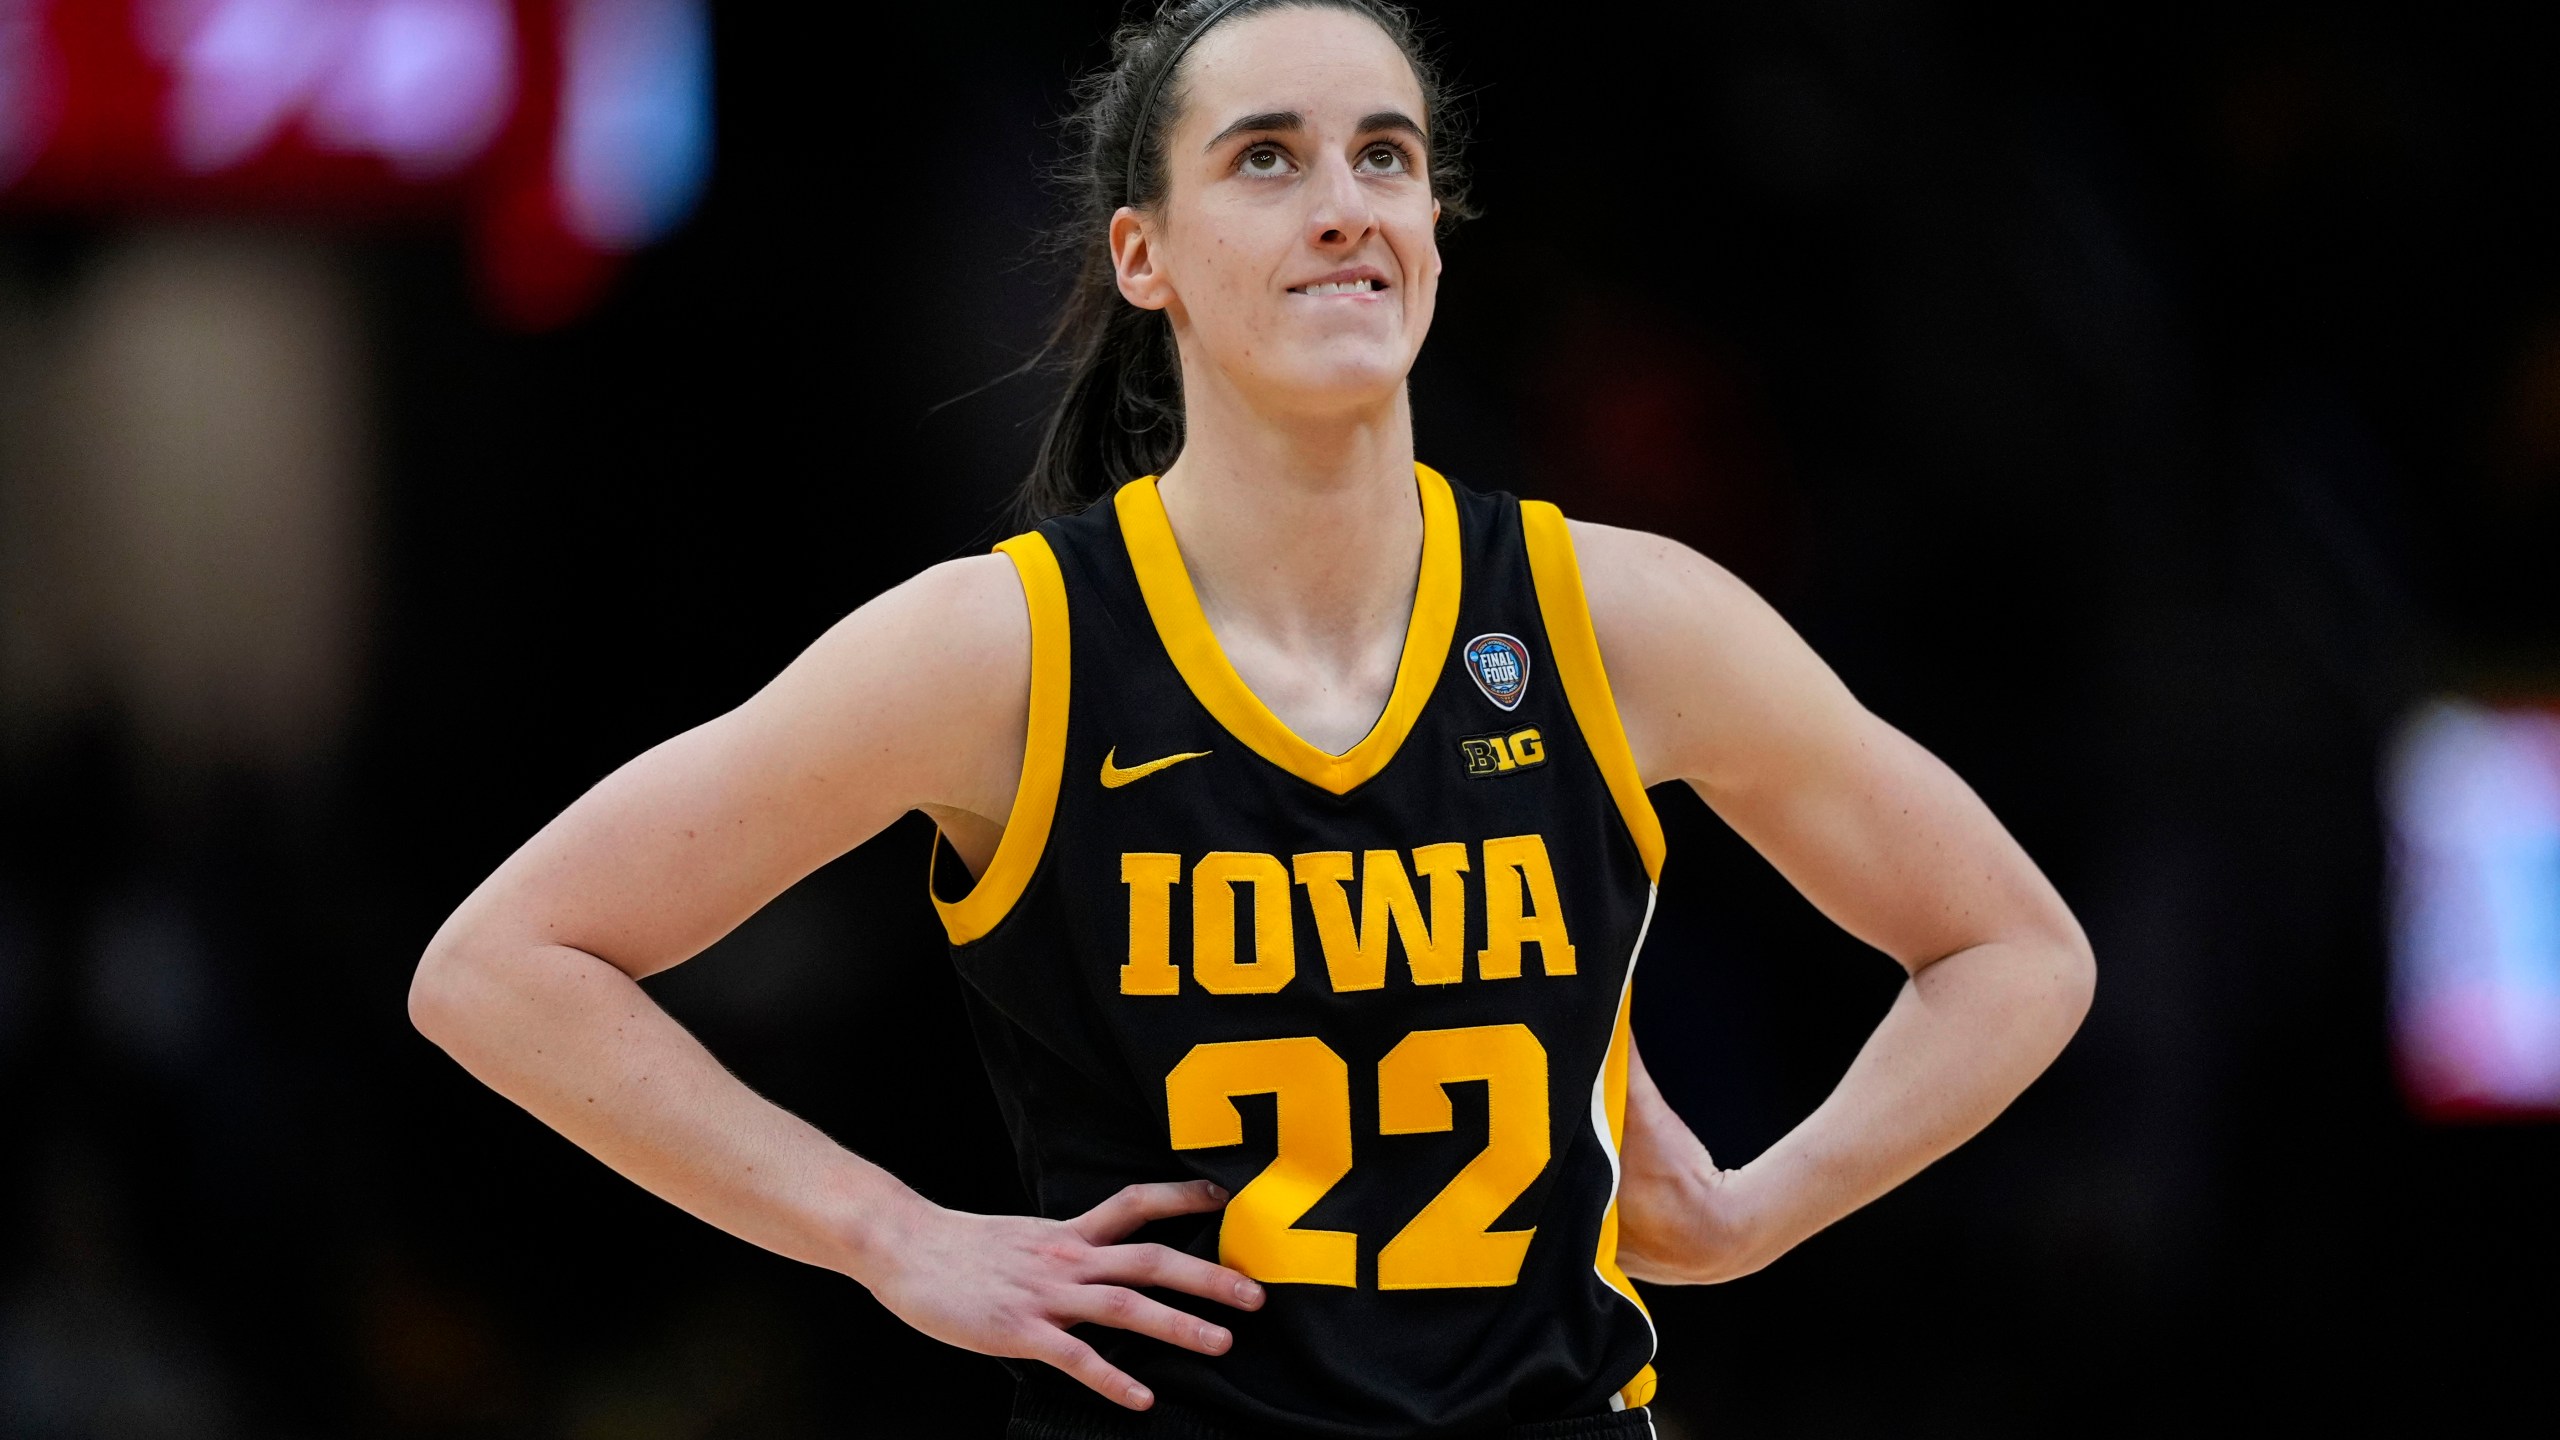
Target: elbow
<point x="440" y="992"/>
<point x="2073" y="981"/>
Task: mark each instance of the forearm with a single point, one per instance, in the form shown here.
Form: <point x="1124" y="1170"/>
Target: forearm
<point x="1965" y="1036"/>
<point x="582" y="1046"/>
<point x="1963" y="1039"/>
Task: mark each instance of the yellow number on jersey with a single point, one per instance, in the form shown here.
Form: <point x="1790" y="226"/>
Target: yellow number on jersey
<point x="1312" y="1088"/>
<point x="1451" y="1243"/>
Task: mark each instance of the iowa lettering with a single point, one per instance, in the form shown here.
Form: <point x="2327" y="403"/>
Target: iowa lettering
<point x="1428" y="922"/>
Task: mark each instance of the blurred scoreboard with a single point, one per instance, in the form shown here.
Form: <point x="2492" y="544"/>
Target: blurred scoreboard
<point x="2472" y="795"/>
<point x="562" y="134"/>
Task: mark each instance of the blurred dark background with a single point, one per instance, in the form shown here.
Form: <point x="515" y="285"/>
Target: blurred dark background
<point x="2144" y="406"/>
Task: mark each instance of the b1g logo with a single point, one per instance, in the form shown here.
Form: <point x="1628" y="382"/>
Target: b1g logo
<point x="1500" y="664"/>
<point x="1502" y="754"/>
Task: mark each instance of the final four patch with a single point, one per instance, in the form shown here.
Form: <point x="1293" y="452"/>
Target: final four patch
<point x="1500" y="664"/>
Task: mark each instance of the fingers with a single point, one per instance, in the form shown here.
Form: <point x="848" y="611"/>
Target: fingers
<point x="1137" y="1204"/>
<point x="1640" y="1267"/>
<point x="1099" y="1375"/>
<point x="1125" y="1309"/>
<point x="1166" y="1268"/>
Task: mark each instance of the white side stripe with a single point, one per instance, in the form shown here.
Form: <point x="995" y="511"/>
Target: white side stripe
<point x="1600" y="1117"/>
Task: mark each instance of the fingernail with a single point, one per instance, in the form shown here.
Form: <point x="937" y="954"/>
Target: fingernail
<point x="1216" y="1340"/>
<point x="1217" y="1191"/>
<point x="1139" y="1398"/>
<point x="1248" y="1292"/>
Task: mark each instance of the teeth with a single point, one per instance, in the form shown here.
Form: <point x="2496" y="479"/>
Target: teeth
<point x="1342" y="287"/>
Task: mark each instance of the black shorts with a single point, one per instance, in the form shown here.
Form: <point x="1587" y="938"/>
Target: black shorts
<point x="1045" y="1409"/>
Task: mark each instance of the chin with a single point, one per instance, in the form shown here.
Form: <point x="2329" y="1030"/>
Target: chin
<point x="1340" y="384"/>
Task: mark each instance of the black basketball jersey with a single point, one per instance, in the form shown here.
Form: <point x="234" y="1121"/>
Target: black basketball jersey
<point x="1379" y="996"/>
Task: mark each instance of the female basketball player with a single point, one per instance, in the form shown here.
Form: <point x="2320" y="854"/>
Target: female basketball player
<point x="1298" y="853"/>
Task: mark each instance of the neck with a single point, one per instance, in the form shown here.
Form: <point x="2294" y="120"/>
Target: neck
<point x="1305" y="531"/>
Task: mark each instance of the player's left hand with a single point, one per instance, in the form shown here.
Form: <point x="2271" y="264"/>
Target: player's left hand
<point x="1681" y="1220"/>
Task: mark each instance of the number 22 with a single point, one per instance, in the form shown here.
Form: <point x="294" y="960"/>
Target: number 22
<point x="1450" y="1243"/>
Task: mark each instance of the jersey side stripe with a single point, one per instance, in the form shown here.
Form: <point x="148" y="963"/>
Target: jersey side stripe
<point x="1044" y="751"/>
<point x="1586" y="681"/>
<point x="1609" y="1123"/>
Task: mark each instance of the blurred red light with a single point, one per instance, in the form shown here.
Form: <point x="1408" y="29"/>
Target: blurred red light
<point x="526" y="119"/>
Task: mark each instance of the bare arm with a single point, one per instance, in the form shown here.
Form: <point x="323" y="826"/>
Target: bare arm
<point x="916" y="701"/>
<point x="1716" y="690"/>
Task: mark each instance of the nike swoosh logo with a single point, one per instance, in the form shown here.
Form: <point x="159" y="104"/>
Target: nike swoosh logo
<point x="1113" y="777"/>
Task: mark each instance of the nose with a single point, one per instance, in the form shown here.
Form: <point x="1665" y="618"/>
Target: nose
<point x="1339" y="215"/>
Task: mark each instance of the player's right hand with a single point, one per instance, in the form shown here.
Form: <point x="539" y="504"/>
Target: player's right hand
<point x="1011" y="1285"/>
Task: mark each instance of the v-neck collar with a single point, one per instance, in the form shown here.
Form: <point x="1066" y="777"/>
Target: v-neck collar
<point x="1175" y="608"/>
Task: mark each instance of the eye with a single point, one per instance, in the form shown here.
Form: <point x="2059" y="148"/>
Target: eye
<point x="1263" y="160"/>
<point x="1384" y="159"/>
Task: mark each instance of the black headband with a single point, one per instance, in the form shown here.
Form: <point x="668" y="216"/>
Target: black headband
<point x="1147" y="100"/>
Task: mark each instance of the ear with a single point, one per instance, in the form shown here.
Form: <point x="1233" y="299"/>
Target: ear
<point x="1133" y="262"/>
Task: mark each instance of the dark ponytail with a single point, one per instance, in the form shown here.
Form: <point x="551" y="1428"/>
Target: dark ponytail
<point x="1120" y="413"/>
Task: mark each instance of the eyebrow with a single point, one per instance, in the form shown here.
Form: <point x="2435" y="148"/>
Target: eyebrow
<point x="1393" y="120"/>
<point x="1267" y="120"/>
<point x="1287" y="120"/>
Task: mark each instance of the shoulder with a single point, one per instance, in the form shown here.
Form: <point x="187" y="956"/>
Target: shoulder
<point x="1706" y="674"/>
<point x="975" y="598"/>
<point x="1644" y="589"/>
<point x="950" y="623"/>
<point x="922" y="688"/>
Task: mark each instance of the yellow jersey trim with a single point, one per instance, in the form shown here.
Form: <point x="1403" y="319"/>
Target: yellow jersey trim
<point x="1613" y="1082"/>
<point x="1044" y="752"/>
<point x="1640" y="1390"/>
<point x="1586" y="681"/>
<point x="1175" y="607"/>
